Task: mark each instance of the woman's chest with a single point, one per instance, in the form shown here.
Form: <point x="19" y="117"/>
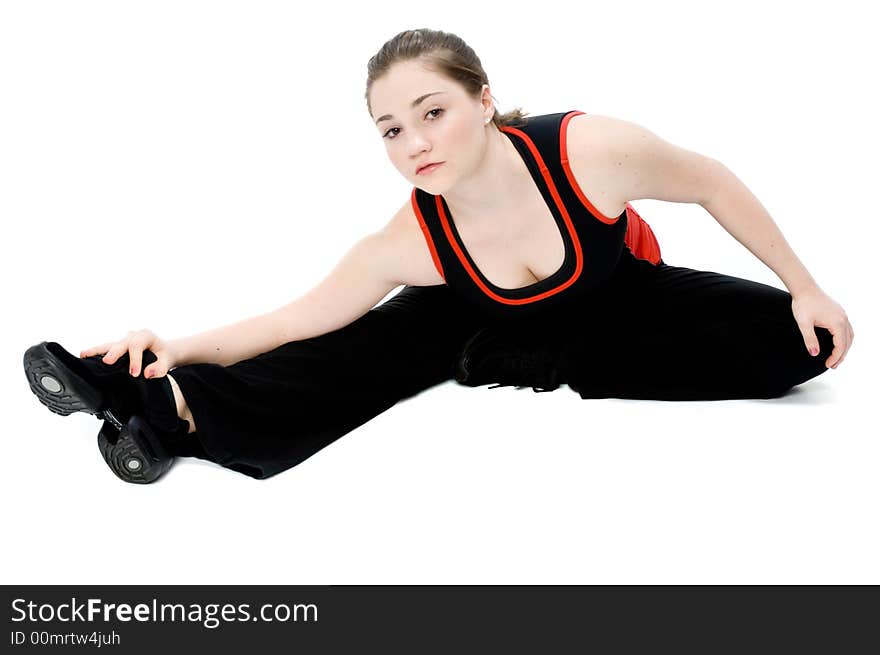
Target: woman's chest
<point x="525" y="246"/>
<point x="517" y="249"/>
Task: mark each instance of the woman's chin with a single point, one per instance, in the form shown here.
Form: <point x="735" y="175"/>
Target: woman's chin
<point x="434" y="187"/>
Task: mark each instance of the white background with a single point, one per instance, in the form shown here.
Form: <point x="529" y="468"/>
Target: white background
<point x="183" y="165"/>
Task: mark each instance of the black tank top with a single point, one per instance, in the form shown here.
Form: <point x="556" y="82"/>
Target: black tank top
<point x="593" y="242"/>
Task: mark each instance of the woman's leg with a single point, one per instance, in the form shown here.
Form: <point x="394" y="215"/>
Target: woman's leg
<point x="263" y="415"/>
<point x="672" y="333"/>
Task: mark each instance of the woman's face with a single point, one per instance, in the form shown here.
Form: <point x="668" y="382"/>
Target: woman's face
<point x="447" y="127"/>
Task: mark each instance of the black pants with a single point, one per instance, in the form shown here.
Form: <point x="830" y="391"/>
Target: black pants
<point x="651" y="332"/>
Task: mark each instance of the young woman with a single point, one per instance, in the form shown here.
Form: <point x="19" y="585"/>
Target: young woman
<point x="523" y="263"/>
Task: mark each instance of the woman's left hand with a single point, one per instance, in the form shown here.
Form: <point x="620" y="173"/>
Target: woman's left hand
<point x="815" y="308"/>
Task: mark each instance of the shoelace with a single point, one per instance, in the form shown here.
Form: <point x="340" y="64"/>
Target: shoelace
<point x="539" y="365"/>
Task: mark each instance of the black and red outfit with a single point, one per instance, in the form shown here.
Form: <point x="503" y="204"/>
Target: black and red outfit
<point x="634" y="327"/>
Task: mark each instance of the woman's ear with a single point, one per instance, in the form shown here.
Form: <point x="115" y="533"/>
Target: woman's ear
<point x="487" y="99"/>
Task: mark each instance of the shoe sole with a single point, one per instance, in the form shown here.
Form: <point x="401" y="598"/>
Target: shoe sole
<point x="56" y="386"/>
<point x="134" y="453"/>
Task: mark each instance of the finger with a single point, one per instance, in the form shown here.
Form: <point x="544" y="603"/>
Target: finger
<point x="96" y="350"/>
<point x="809" y="336"/>
<point x="135" y="356"/>
<point x="844" y="330"/>
<point x="136" y="353"/>
<point x="837" y="351"/>
<point x="850" y="335"/>
<point x="116" y="350"/>
<point x="155" y="370"/>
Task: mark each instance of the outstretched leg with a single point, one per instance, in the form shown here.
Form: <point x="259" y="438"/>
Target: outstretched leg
<point x="263" y="415"/>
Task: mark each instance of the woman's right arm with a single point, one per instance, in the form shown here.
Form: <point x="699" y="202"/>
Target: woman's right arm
<point x="365" y="275"/>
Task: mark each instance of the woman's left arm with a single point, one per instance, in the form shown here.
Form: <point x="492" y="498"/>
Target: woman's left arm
<point x="739" y="212"/>
<point x="642" y="165"/>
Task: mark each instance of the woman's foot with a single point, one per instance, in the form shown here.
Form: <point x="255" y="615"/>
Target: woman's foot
<point x="510" y="358"/>
<point x="66" y="384"/>
<point x="135" y="453"/>
<point x="142" y="431"/>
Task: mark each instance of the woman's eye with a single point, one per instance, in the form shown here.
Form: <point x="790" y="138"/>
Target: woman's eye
<point x="385" y="136"/>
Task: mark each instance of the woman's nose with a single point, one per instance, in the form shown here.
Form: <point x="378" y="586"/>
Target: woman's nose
<point x="416" y="144"/>
<point x="418" y="147"/>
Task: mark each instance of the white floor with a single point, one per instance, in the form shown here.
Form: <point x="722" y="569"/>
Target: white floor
<point x="461" y="485"/>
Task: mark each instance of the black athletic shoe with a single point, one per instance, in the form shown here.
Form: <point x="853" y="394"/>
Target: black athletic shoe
<point x="134" y="453"/>
<point x="66" y="384"/>
<point x="510" y="359"/>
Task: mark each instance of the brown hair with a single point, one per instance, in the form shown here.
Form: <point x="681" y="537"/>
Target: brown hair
<point x="443" y="53"/>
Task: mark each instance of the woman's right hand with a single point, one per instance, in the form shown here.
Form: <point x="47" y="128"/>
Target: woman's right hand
<point x="135" y="343"/>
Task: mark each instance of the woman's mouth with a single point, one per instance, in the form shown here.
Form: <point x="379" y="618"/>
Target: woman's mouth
<point x="429" y="169"/>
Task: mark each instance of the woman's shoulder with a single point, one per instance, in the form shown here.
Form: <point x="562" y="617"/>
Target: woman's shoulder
<point x="589" y="141"/>
<point x="406" y="243"/>
<point x="589" y="133"/>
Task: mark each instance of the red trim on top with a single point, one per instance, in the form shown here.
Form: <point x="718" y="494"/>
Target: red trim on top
<point x="577" y="246"/>
<point x="639" y="237"/>
<point x="563" y="153"/>
<point x="427" y="234"/>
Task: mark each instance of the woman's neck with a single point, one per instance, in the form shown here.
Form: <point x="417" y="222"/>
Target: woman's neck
<point x="495" y="188"/>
